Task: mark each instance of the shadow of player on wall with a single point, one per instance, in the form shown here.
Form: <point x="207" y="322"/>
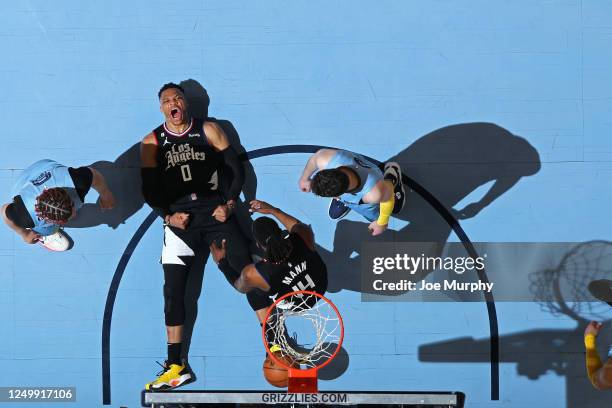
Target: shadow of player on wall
<point x="560" y="291"/>
<point x="123" y="179"/>
<point x="450" y="163"/>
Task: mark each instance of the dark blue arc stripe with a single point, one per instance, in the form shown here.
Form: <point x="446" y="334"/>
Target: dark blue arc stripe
<point x="275" y="150"/>
<point x="110" y="303"/>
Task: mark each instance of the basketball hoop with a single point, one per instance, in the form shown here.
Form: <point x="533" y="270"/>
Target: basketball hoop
<point x="317" y="322"/>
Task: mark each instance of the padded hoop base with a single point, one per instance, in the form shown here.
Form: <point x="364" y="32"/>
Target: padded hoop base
<point x="303" y="381"/>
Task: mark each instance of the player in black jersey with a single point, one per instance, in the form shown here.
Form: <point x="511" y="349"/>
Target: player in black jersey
<point x="181" y="160"/>
<point x="290" y="263"/>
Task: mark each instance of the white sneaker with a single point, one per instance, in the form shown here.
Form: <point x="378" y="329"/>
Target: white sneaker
<point x="58" y="241"/>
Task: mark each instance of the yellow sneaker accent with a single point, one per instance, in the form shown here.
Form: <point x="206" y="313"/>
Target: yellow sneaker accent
<point x="274" y="348"/>
<point x="173" y="376"/>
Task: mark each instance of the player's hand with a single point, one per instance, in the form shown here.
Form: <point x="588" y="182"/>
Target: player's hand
<point x="261" y="207"/>
<point x="107" y="200"/>
<point x="178" y="220"/>
<point x="221" y="213"/>
<point x="217" y="253"/>
<point x="304" y="185"/>
<point x="376" y="229"/>
<point x="30" y="237"/>
<point x="592" y="328"/>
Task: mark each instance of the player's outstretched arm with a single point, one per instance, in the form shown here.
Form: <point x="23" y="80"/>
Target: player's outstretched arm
<point x="27" y="235"/>
<point x="151" y="184"/>
<point x="150" y="173"/>
<point x="599" y="374"/>
<point x="317" y="161"/>
<point x="382" y="193"/>
<point x="98" y="182"/>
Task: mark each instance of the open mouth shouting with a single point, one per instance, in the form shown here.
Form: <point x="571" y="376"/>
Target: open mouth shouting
<point x="176" y="114"/>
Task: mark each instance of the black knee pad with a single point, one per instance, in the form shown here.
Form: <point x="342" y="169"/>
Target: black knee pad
<point x="258" y="299"/>
<point x="174" y="305"/>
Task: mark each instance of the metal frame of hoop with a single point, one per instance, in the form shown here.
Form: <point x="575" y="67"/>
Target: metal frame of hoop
<point x="302" y="380"/>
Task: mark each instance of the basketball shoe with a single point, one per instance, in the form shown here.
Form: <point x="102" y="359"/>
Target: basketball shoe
<point x="172" y="376"/>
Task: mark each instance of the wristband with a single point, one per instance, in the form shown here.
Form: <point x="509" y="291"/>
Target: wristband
<point x="589" y="341"/>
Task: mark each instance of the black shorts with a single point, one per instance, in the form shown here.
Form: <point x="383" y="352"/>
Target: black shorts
<point x="181" y="246"/>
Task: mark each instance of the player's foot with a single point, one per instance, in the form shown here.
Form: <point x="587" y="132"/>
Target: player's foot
<point x="58" y="241"/>
<point x="602" y="289"/>
<point x="172" y="376"/>
<point x="337" y="209"/>
<point x="274" y="347"/>
<point x="189" y="370"/>
<point x="393" y="173"/>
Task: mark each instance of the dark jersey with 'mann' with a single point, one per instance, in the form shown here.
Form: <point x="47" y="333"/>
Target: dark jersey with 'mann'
<point x="304" y="270"/>
<point x="187" y="162"/>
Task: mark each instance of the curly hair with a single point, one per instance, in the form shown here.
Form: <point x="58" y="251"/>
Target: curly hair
<point x="329" y="183"/>
<point x="54" y="205"/>
<point x="269" y="236"/>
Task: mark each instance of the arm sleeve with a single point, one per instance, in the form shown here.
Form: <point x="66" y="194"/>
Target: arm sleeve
<point x="153" y="192"/>
<point x="230" y="273"/>
<point x="82" y="177"/>
<point x="233" y="162"/>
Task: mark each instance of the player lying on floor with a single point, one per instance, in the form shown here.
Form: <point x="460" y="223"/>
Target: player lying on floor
<point x="46" y="196"/>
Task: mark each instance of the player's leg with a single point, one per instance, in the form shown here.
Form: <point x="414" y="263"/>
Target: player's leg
<point x="177" y="257"/>
<point x="337" y="209"/>
<point x="260" y="302"/>
<point x="238" y="252"/>
<point x="59" y="241"/>
<point x="393" y="173"/>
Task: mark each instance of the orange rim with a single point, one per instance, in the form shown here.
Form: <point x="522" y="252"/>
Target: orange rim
<point x="273" y="306"/>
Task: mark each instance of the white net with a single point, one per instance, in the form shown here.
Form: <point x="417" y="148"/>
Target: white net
<point x="315" y="327"/>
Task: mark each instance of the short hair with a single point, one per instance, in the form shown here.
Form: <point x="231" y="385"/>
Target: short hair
<point x="329" y="183"/>
<point x="54" y="206"/>
<point x="169" y="85"/>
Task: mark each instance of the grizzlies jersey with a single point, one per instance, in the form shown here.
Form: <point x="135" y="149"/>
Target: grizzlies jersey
<point x="34" y="180"/>
<point x="368" y="172"/>
<point x="187" y="163"/>
<point x="304" y="270"/>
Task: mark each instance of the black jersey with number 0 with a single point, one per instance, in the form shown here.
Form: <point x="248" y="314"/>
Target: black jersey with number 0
<point x="187" y="162"/>
<point x="304" y="270"/>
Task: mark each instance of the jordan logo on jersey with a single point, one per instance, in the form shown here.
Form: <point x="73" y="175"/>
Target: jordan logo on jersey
<point x="182" y="153"/>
